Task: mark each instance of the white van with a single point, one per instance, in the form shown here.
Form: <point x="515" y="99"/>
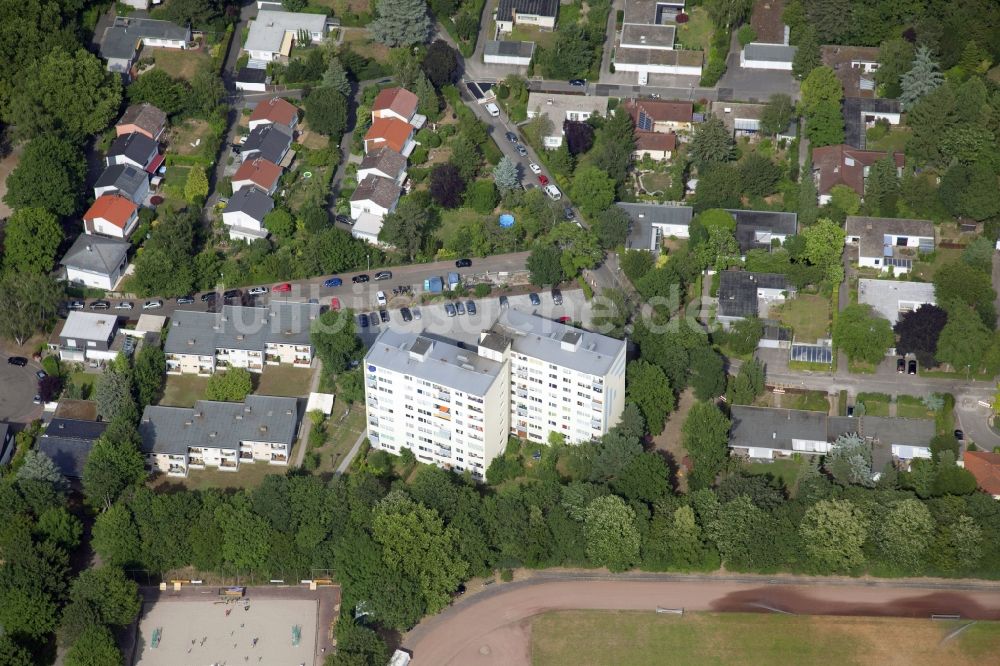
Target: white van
<point x="380" y="296"/>
<point x="493" y="110"/>
<point x="553" y="192"/>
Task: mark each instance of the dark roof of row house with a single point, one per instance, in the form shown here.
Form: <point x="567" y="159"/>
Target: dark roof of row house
<point x="96" y="254"/>
<point x="252" y="201"/>
<point x="223" y="425"/>
<point x="509" y="48"/>
<point x="68" y="443"/>
<point x="507" y="8"/>
<point x="251" y="75"/>
<point x="855" y="108"/>
<point x="238" y="327"/>
<point x="386" y="160"/>
<point x="135" y="146"/>
<point x="769" y="52"/>
<point x="754" y="228"/>
<point x="124" y="177"/>
<point x="738" y="291"/>
<point x="269" y="141"/>
<point x="379" y="190"/>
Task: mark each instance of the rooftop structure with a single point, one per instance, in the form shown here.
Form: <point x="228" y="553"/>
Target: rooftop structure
<point x="986" y="468"/>
<point x="559" y="344"/>
<point x="68" y="443"/>
<point x="860" y="114"/>
<point x="144" y="118"/>
<point x="845" y="165"/>
<point x="272" y="33"/>
<point x="892" y="298"/>
<point x="740" y="292"/>
<point x="276" y="111"/>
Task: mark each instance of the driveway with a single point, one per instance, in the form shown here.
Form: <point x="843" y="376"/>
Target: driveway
<point x="753" y="85"/>
<point x="17" y="388"/>
<point x="494" y="626"/>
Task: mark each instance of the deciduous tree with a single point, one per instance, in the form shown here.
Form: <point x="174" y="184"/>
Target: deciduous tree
<point x="748" y="383"/>
<point x="918" y="331"/>
<point x="544" y="264"/>
<point x="233" y="385"/>
<point x="833" y="533"/>
<point x="196" y="185"/>
<point x="904" y="534"/>
<point x="612" y="537"/>
<point x="895" y="57"/>
<point x="964" y="339"/>
<point x="111" y="467"/>
<point x="406" y="227"/>
<point x="441" y="63"/>
<point x="593" y="190"/>
<point x="49" y="176"/>
<point x="649" y="388"/>
<point x="759" y="176"/>
<point x="862" y="335"/>
<point x="706" y="439"/>
<point x="961" y="282"/>
<point x="28" y="302"/>
<point x="578" y="136"/>
<point x="778" y="113"/>
<point x="335" y="339"/>
<point x="447" y="185"/>
<point x="95" y="647"/>
<point x="611" y="226"/>
<point x="32" y="240"/>
<point x="821" y="96"/>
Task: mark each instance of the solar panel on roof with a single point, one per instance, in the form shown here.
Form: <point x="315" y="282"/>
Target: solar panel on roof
<point x="645" y="122"/>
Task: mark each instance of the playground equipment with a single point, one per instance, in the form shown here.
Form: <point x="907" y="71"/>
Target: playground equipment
<point x="296" y="635"/>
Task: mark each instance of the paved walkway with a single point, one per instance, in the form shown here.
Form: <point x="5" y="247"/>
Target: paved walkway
<point x="494" y="626"/>
<point x="300" y="453"/>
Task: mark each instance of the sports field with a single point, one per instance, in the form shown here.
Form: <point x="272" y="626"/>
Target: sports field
<point x="199" y="632"/>
<point x="634" y="638"/>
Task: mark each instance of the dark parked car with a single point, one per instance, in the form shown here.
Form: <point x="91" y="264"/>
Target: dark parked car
<point x="850" y="411"/>
<point x="900" y="365"/>
<point x="568" y="213"/>
<point x="343" y="219"/>
<point x="185" y="300"/>
<point x="208" y="296"/>
<point x="460" y="307"/>
<point x="504" y="303"/>
<point x="535" y="300"/>
<point x="100" y="305"/>
<point x="76" y="305"/>
<point x="471" y="307"/>
<point x="19" y="361"/>
<point x="384" y="314"/>
<point x="232" y="293"/>
<point x="511" y="137"/>
<point x="449" y="309"/>
<point x="911" y="369"/>
<point x="959" y="435"/>
<point x="358" y="279"/>
<point x="383" y="275"/>
<point x="406" y="314"/>
<point x="333" y="282"/>
<point x="557" y="297"/>
<point x="363" y="320"/>
<point x="373" y="318"/>
<point x="578" y="82"/>
<point x="463" y="263"/>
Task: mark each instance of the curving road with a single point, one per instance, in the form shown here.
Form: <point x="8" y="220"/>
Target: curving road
<point x="494" y="626"/>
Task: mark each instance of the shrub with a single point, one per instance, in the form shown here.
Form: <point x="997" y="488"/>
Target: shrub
<point x="482" y="290"/>
<point x="680" y="19"/>
<point x="746" y="34"/>
<point x="506" y="575"/>
<point x="418" y="156"/>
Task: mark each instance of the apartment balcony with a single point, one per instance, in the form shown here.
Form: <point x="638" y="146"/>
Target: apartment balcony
<point x="195" y="450"/>
<point x="196" y="462"/>
<point x="302" y="362"/>
<point x="279" y="459"/>
<point x="303" y="349"/>
<point x="595" y="425"/>
<point x="176" y="470"/>
<point x="443" y="396"/>
<point x="229" y="465"/>
<point x="442" y="453"/>
<point x="246" y="455"/>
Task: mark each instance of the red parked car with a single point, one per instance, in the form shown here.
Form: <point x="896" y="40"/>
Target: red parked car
<point x="282" y="288"/>
<point x="543" y="179"/>
<point x="334" y="303"/>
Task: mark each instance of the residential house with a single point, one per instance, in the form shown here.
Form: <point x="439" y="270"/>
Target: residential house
<point x="240" y="337"/>
<point x="275" y="111"/>
<point x="761" y="229"/>
<point x="245" y="212"/>
<point x="854" y="66"/>
<point x="68" y="443"/>
<point x="95" y="261"/>
<point x="655" y="146"/>
<point x="270" y="142"/>
<point x="888" y="242"/>
<point x="845" y="165"/>
<point x="259" y="173"/>
<point x="861" y="114"/>
<point x="743" y="119"/>
<point x="541" y="13"/>
<point x="892" y="299"/>
<point x="756" y="55"/>
<point x="985" y="467"/>
<point x="127" y="180"/>
<point x="383" y="163"/>
<point x="390" y="133"/>
<point x="375" y="196"/>
<point x="560" y="108"/>
<point x="111" y="215"/>
<point x="650" y="223"/>
<point x="219" y="434"/>
<point x="743" y="294"/>
<point x="250" y="79"/>
<point x="498" y="52"/>
<point x="123" y="39"/>
<point x="765" y="433"/>
<point x="136" y="149"/>
<point x="273" y="33"/>
<point x="662" y="117"/>
<point x="398" y="103"/>
<point x="6" y="442"/>
<point x="143" y="118"/>
<point x="646" y="41"/>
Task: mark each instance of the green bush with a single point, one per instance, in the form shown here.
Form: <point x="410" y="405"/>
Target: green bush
<point x="588" y="292"/>
<point x="746" y="34"/>
<point x="418" y="156"/>
<point x="50" y="364"/>
<point x="506" y="575"/>
<point x="482" y="290"/>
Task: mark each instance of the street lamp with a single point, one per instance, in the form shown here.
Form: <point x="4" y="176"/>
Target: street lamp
<point x="368" y="256"/>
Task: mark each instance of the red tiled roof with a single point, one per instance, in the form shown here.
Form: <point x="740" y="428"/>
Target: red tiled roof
<point x="115" y="209"/>
<point x="659" y="111"/>
<point x="260" y="172"/>
<point x="399" y="100"/>
<point x="275" y="110"/>
<point x="155" y="163"/>
<point x="655" y="141"/>
<point x="393" y="132"/>
<point x="844" y="165"/>
<point x="986" y="468"/>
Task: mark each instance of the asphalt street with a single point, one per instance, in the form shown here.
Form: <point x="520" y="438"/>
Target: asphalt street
<point x="17" y="390"/>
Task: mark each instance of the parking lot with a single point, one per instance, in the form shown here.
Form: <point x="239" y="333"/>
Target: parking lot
<point x="17" y="389"/>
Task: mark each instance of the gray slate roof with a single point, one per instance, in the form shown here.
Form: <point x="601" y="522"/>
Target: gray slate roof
<point x="645" y="216"/>
<point x="252" y="201"/>
<point x="223" y="425"/>
<point x="738" y="291"/>
<point x="854" y="109"/>
<point x="238" y="327"/>
<point x="749" y="222"/>
<point x="120" y="39"/>
<point x="386" y="160"/>
<point x="871" y="231"/>
<point x="135" y="146"/>
<point x="379" y="190"/>
<point x="96" y="254"/>
<point x="123" y="177"/>
<point x="769" y="52"/>
<point x="509" y="48"/>
<point x="507" y="8"/>
<point x="268" y="141"/>
<point x="251" y="75"/>
<point x="68" y="442"/>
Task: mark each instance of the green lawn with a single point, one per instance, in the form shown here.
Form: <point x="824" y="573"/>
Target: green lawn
<point x="173" y="184"/>
<point x="895" y="141"/>
<point x="813" y="401"/>
<point x="183" y="390"/>
<point x="454" y="219"/>
<point x="696" y="34"/>
<point x="942" y="256"/>
<point x="249" y="475"/>
<point x="808" y="315"/>
<point x="655" y="182"/>
<point x="646" y="638"/>
<point x="912" y="407"/>
<point x="529" y="33"/>
<point x="84" y="379"/>
<point x="284" y="380"/>
<point x="342" y="432"/>
<point x="876" y="404"/>
<point x="178" y="63"/>
<point x="786" y="470"/>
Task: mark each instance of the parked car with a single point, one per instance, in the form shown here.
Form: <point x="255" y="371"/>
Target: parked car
<point x="333" y="282"/>
<point x="383" y="275"/>
<point x="900" y="365"/>
<point x="521" y="150"/>
<point x="373" y="318"/>
<point x="384" y="316"/>
<point x="334" y="303"/>
<point x="850" y="411"/>
<point x="557" y="297"/>
<point x="37" y="399"/>
<point x="257" y="291"/>
<point x="911" y="369"/>
<point x="282" y="288"/>
<point x="380" y="297"/>
<point x="358" y="279"/>
<point x="553" y="192"/>
<point x="463" y="263"/>
<point x="493" y="110"/>
<point x="232" y="293"/>
<point x="511" y="137"/>
<point x="568" y="213"/>
<point x="471" y="307"/>
<point x="534" y="168"/>
<point x="76" y="305"/>
<point x="564" y="319"/>
<point x="460" y="307"/>
<point x="959" y="435"/>
<point x="406" y="314"/>
<point x="19" y="361"/>
<point x="344" y="219"/>
<point x="152" y="305"/>
<point x="543" y="179"/>
<point x="127" y="305"/>
<point x="363" y="320"/>
<point x="416" y="314"/>
<point x="578" y="82"/>
<point x="41" y="374"/>
<point x="100" y="305"/>
<point x="504" y="303"/>
<point x="185" y="300"/>
<point x="208" y="296"/>
<point x="535" y="300"/>
<point x="449" y="310"/>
